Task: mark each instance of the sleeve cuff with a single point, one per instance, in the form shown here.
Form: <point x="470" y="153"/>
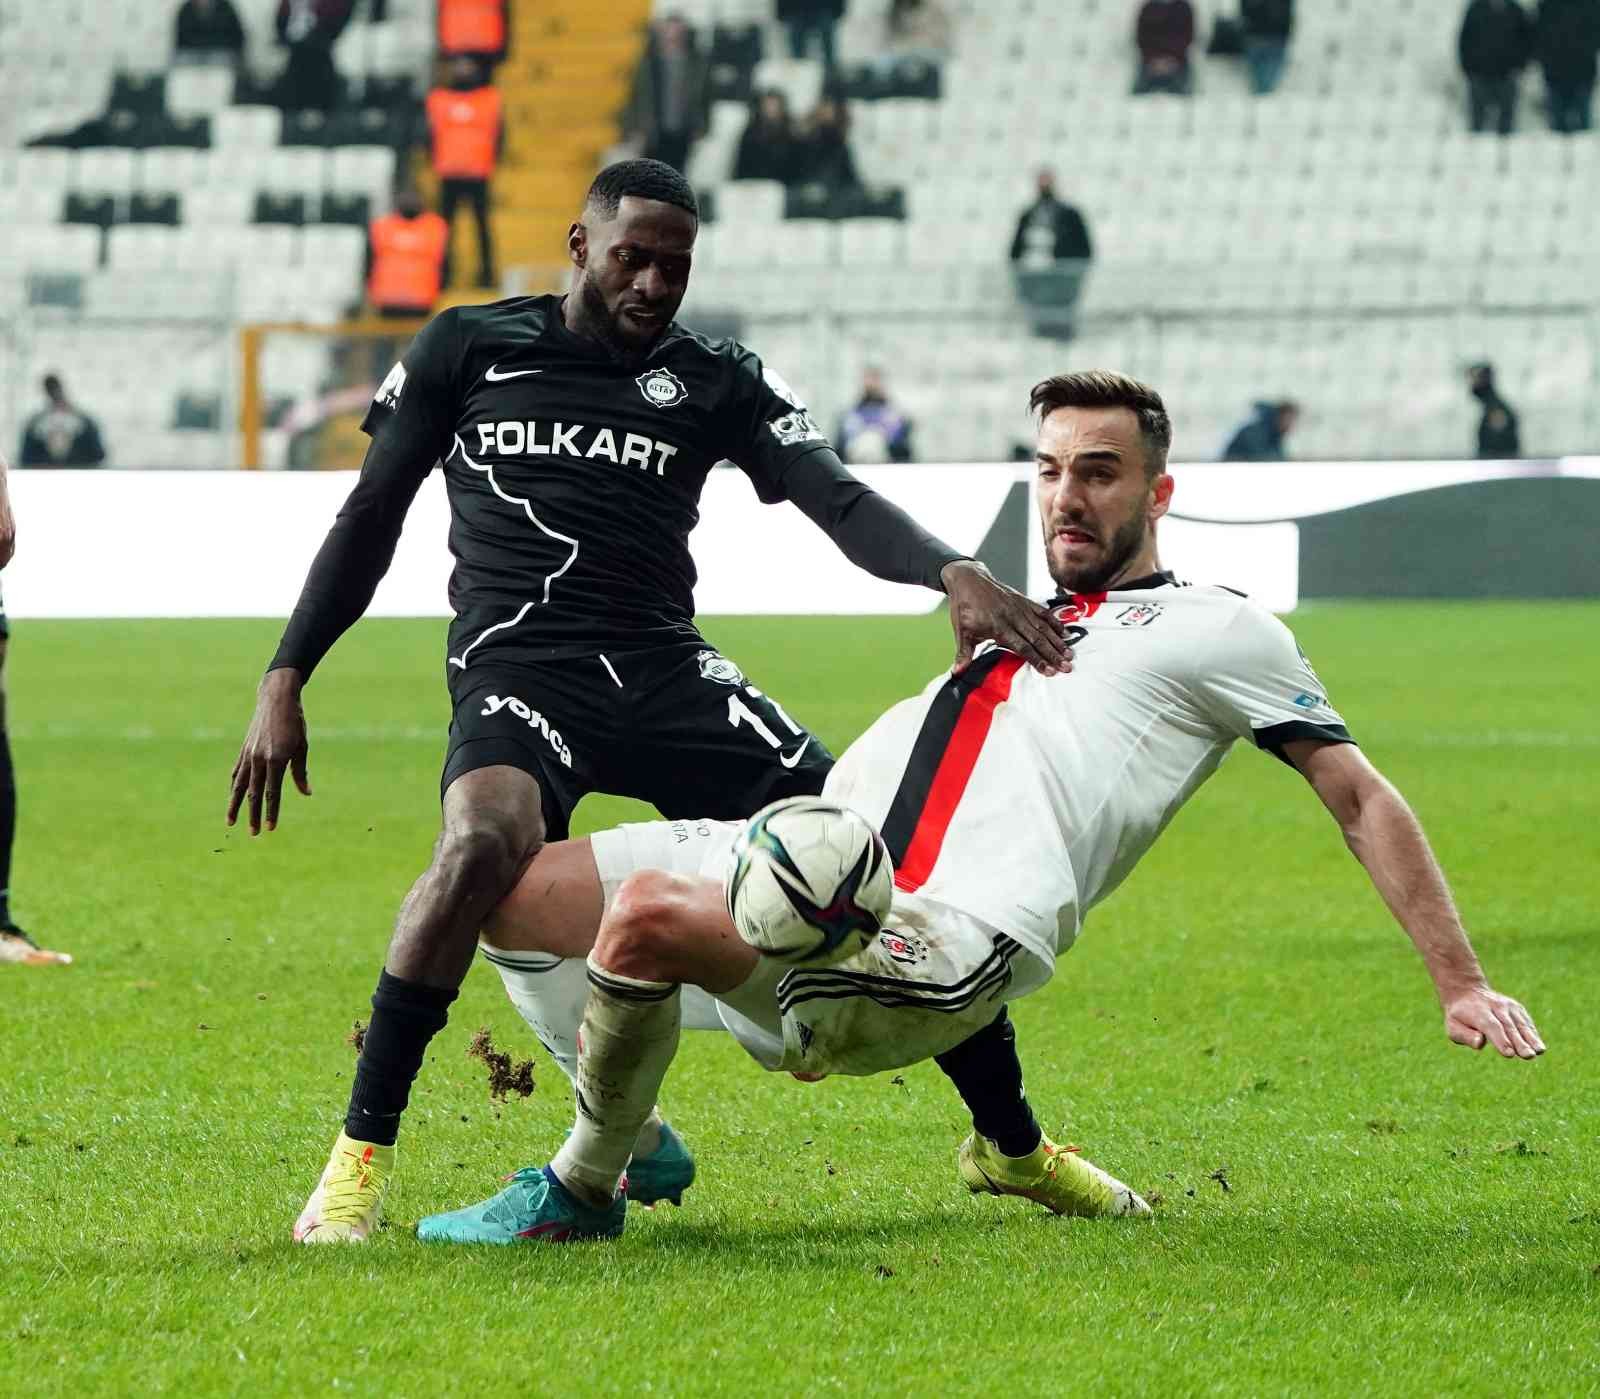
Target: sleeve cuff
<point x="1274" y="736"/>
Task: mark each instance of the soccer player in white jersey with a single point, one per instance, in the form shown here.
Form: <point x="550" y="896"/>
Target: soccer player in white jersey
<point x="1012" y="803"/>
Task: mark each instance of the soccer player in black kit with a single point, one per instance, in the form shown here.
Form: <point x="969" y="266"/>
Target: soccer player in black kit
<point x="575" y="434"/>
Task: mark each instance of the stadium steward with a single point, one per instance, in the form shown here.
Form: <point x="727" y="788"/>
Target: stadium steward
<point x="473" y="28"/>
<point x="406" y="254"/>
<point x="466" y="129"/>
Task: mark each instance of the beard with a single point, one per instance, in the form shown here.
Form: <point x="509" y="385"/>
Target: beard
<point x="1093" y="577"/>
<point x="606" y="325"/>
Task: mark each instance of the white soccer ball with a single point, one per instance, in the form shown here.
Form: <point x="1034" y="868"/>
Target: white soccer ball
<point x="809" y="881"/>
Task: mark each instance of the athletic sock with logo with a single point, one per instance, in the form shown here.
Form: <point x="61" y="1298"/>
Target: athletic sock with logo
<point x="550" y="994"/>
<point x="630" y="1034"/>
<point x="988" y="1075"/>
<point x="406" y="1015"/>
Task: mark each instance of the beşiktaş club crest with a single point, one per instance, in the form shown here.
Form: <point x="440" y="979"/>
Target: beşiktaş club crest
<point x="719" y="668"/>
<point x="662" y="387"/>
<point x="1139" y="615"/>
<point x="904" y="948"/>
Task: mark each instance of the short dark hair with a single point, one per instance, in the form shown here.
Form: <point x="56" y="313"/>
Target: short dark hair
<point x="644" y="179"/>
<point x="52" y="386"/>
<point x="1104" y="388"/>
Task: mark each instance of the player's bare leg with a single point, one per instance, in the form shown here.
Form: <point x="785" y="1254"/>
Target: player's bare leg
<point x="661" y="931"/>
<point x="493" y="825"/>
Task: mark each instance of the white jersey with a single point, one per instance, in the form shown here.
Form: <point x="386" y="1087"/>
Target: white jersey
<point x="1023" y="800"/>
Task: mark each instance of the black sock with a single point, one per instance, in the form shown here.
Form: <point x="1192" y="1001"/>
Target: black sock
<point x="405" y="1016"/>
<point x="8" y="824"/>
<point x="988" y="1076"/>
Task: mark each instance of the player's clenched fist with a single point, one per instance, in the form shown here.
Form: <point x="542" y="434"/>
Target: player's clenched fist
<point x="982" y="608"/>
<point x="276" y="742"/>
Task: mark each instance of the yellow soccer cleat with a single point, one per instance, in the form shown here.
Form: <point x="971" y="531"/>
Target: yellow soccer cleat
<point x="347" y="1204"/>
<point x="1053" y="1176"/>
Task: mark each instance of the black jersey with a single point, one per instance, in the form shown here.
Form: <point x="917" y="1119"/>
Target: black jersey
<point x="574" y="479"/>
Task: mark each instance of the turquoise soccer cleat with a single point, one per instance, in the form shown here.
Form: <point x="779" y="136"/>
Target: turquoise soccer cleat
<point x="534" y="1206"/>
<point x="662" y="1175"/>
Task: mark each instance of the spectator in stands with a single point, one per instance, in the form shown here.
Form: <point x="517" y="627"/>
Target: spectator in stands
<point x="1566" y="39"/>
<point x="308" y="29"/>
<point x="1499" y="434"/>
<point x="824" y="152"/>
<point x="916" y="29"/>
<point x="1050" y="254"/>
<point x="769" y="148"/>
<point x="1495" y="45"/>
<point x="473" y="29"/>
<point x="811" y="19"/>
<point x="466" y="129"/>
<point x="874" y="430"/>
<point x="670" y="105"/>
<point x="1262" y="435"/>
<point x="1164" y="34"/>
<point x="60" y="434"/>
<point x="406" y="255"/>
<point x="206" y="27"/>
<point x="1267" y="26"/>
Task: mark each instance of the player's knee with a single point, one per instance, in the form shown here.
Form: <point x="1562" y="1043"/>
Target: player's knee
<point x="483" y="854"/>
<point x="644" y="927"/>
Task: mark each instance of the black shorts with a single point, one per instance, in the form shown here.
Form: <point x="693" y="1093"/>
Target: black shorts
<point x="677" y="726"/>
<point x="5" y="625"/>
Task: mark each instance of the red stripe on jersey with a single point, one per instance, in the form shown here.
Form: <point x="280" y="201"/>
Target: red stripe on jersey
<point x="953" y="773"/>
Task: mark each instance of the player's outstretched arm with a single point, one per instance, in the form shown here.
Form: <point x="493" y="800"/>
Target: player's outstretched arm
<point x="878" y="536"/>
<point x="343" y="577"/>
<point x="1383" y="833"/>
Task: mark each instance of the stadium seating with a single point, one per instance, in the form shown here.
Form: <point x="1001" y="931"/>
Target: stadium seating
<point x="1344" y="241"/>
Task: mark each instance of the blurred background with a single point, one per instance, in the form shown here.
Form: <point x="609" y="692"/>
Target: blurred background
<point x="1340" y="230"/>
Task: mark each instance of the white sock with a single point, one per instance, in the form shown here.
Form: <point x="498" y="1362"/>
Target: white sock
<point x="629" y="1037"/>
<point x="549" y="994"/>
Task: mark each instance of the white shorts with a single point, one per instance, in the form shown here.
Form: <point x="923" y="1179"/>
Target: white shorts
<point x="933" y="977"/>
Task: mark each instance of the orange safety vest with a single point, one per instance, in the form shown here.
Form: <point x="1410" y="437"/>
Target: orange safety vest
<point x="407" y="260"/>
<point x="466" y="129"/>
<point x="472" y="26"/>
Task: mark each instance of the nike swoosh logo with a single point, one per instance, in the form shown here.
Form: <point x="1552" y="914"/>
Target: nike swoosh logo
<point x="494" y="378"/>
<point x="791" y="761"/>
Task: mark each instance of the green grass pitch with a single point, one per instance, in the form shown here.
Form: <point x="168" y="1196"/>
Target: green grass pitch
<point x="1349" y="1203"/>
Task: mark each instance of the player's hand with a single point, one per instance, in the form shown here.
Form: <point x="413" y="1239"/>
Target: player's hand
<point x="982" y="608"/>
<point x="276" y="741"/>
<point x="1481" y="1015"/>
